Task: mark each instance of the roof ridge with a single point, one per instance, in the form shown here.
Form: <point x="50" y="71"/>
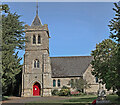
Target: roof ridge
<point x="69" y="56"/>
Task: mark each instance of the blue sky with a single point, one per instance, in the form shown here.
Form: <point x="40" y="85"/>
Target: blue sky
<point x="75" y="27"/>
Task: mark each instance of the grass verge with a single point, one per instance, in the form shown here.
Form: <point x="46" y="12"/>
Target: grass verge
<point x="81" y="100"/>
<point x="5" y="98"/>
<point x="114" y="99"/>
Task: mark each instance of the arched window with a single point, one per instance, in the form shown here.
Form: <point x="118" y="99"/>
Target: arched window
<point x="71" y="83"/>
<point x="39" y="39"/>
<point x="58" y="83"/>
<point x="54" y="83"/>
<point x="36" y="64"/>
<point x="96" y="79"/>
<point x="34" y="39"/>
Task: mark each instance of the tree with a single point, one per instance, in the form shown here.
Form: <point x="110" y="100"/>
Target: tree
<point x="79" y="84"/>
<point x="103" y="63"/>
<point x="106" y="62"/>
<point x="115" y="34"/>
<point x="12" y="41"/>
<point x="115" y="24"/>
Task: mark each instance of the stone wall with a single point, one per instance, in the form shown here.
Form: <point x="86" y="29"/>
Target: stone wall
<point x="94" y="86"/>
<point x="63" y="82"/>
<point x="91" y="81"/>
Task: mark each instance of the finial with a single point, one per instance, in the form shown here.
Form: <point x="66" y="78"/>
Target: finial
<point x="37" y="8"/>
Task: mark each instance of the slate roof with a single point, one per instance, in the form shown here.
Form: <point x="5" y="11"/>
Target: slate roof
<point x="36" y="21"/>
<point x="69" y="66"/>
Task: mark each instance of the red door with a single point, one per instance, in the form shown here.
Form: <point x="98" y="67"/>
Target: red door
<point x="36" y="89"/>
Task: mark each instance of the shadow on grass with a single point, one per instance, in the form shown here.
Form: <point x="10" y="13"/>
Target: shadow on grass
<point x="83" y="100"/>
<point x="67" y="104"/>
<point x="114" y="99"/>
<point x="56" y="104"/>
<point x="53" y="104"/>
<point x="74" y="101"/>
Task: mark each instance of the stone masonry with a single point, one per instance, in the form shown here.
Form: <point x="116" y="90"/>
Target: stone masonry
<point x="41" y="75"/>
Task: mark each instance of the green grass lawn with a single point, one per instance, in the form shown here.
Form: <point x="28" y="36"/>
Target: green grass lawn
<point x="80" y="100"/>
<point x="5" y="98"/>
<point x="113" y="99"/>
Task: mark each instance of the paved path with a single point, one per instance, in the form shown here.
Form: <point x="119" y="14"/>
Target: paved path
<point x="22" y="100"/>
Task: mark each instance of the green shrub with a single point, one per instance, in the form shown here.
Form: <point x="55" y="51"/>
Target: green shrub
<point x="118" y="93"/>
<point x="65" y="87"/>
<point x="55" y="92"/>
<point x="77" y="94"/>
<point x="64" y="92"/>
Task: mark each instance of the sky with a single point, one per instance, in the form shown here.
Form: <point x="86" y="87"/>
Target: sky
<point x="75" y="27"/>
<point x="60" y="0"/>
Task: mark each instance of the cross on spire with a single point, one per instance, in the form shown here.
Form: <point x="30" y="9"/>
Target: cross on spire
<point x="36" y="21"/>
<point x="37" y="8"/>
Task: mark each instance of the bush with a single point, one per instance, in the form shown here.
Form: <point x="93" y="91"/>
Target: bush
<point x="64" y="92"/>
<point x="55" y="92"/>
<point x="65" y="87"/>
<point x="77" y="93"/>
<point x="118" y="93"/>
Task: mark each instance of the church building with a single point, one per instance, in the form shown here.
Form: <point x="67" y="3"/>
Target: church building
<point x="41" y="73"/>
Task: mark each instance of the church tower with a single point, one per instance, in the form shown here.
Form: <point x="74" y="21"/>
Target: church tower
<point x="36" y="74"/>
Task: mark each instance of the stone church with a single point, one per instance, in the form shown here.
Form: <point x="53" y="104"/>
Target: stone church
<point x="41" y="73"/>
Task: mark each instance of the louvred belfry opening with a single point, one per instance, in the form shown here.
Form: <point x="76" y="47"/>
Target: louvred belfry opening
<point x="36" y="89"/>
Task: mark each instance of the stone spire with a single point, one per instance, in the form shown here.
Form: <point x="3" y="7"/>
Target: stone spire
<point x="36" y="21"/>
<point x="37" y="9"/>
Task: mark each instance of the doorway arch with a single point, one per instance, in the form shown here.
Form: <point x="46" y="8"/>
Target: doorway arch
<point x="36" y="89"/>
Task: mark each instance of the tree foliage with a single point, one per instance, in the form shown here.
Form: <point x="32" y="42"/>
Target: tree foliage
<point x="12" y="39"/>
<point x="115" y="24"/>
<point x="79" y="84"/>
<point x="115" y="34"/>
<point x="106" y="62"/>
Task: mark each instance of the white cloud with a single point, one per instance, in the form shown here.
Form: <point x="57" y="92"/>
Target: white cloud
<point x="60" y="0"/>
